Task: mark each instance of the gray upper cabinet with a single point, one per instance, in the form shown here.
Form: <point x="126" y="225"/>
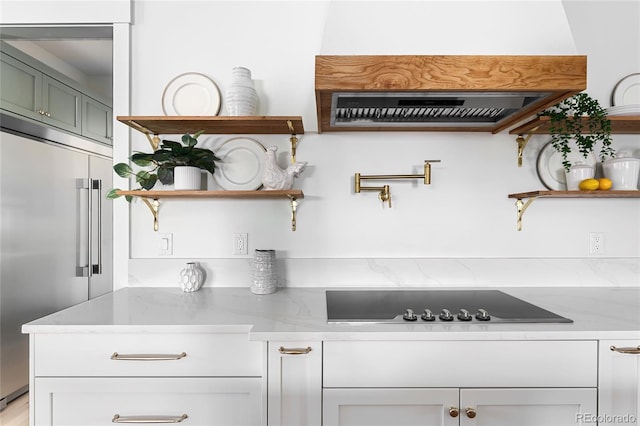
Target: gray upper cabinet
<point x="43" y="95"/>
<point x="20" y="88"/>
<point x="97" y="120"/>
<point x="61" y="105"/>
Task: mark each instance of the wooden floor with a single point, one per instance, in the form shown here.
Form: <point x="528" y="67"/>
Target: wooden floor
<point x="16" y="413"/>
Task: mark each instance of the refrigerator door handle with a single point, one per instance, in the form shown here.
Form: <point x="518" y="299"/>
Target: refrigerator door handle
<point x="82" y="229"/>
<point x="96" y="185"/>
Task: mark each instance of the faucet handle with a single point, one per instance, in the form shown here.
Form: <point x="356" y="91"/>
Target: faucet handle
<point x="385" y="195"/>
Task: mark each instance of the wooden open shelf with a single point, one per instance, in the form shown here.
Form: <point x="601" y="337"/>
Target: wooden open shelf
<point x="154" y="206"/>
<point x="162" y="125"/>
<point x="264" y="194"/>
<point x="621" y="124"/>
<point x="531" y="196"/>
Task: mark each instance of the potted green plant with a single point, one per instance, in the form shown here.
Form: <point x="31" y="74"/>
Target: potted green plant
<point x="164" y="161"/>
<point x="579" y="118"/>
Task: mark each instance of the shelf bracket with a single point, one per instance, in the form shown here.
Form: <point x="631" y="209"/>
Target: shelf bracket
<point x="294" y="141"/>
<point x="153" y="140"/>
<point x="522" y="207"/>
<point x="294" y="208"/>
<point x="522" y="142"/>
<point x="154" y="206"/>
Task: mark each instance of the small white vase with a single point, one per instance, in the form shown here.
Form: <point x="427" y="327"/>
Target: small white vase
<point x="191" y="278"/>
<point x="241" y="98"/>
<point x="265" y="275"/>
<point x="187" y="178"/>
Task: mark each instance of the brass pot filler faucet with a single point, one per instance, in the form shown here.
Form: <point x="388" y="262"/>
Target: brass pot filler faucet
<point x="385" y="191"/>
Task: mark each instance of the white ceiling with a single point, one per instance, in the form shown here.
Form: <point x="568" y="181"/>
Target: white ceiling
<point x="87" y="49"/>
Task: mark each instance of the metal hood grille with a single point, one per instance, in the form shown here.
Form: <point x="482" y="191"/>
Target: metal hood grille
<point x="452" y="93"/>
<point x="416" y="109"/>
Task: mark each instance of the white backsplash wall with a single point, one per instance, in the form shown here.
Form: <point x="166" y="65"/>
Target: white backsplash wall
<point x="461" y="229"/>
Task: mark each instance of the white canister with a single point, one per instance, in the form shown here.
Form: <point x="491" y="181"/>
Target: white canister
<point x="241" y="97"/>
<point x="623" y="171"/>
<point x="577" y="173"/>
<point x="265" y="274"/>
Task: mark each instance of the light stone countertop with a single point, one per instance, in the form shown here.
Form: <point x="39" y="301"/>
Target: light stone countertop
<point x="300" y="314"/>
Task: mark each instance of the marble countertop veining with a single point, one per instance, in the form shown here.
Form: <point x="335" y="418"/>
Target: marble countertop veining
<point x="300" y="314"/>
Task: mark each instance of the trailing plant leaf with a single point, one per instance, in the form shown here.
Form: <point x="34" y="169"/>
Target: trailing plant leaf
<point x="112" y="195"/>
<point x="567" y="120"/>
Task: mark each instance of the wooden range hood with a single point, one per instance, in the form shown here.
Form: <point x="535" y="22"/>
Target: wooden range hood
<point x="466" y="93"/>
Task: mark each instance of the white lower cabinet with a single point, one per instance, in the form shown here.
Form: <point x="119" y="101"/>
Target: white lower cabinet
<point x="104" y="401"/>
<point x="383" y="407"/>
<point x="207" y="379"/>
<point x="466" y="383"/>
<point x="453" y="407"/>
<point x="619" y="382"/>
<point x="295" y="383"/>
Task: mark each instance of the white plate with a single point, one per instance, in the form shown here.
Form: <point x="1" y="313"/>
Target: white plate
<point x="242" y="164"/>
<point x="551" y="170"/>
<point x="624" y="110"/>
<point x="627" y="91"/>
<point x="191" y="94"/>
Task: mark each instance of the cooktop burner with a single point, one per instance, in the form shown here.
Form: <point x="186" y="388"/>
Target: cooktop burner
<point x="400" y="306"/>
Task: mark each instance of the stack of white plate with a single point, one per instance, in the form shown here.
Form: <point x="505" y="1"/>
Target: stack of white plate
<point x="624" y="110"/>
<point x="626" y="96"/>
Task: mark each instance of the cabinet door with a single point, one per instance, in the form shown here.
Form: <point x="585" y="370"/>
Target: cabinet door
<point x="61" y="105"/>
<point x="527" y="407"/>
<point x="619" y="380"/>
<point x="104" y="401"/>
<point x="384" y="407"/>
<point x="20" y="88"/>
<point x="97" y="120"/>
<point x="295" y="383"/>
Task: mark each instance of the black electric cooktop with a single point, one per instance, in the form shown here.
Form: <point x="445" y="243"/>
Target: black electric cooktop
<point x="425" y="306"/>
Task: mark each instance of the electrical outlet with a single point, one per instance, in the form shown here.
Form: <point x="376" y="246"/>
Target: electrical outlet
<point x="596" y="243"/>
<point x="240" y="242"/>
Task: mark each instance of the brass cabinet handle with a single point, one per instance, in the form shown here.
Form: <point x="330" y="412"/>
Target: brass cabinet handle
<point x="148" y="419"/>
<point x="632" y="351"/>
<point x="147" y="357"/>
<point x="470" y="412"/>
<point x="294" y="351"/>
<point x="453" y="411"/>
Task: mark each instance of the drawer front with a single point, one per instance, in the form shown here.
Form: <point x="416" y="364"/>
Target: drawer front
<point x="460" y="364"/>
<point x="198" y="355"/>
<point x="105" y="401"/>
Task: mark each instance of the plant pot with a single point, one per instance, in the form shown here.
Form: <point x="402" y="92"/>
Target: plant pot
<point x="187" y="178"/>
<point x="623" y="172"/>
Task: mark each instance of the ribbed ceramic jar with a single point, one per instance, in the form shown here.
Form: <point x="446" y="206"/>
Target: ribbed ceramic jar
<point x="191" y="278"/>
<point x="265" y="275"/>
<point x="241" y="97"/>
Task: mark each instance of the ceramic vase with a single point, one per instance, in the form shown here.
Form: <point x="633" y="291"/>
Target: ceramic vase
<point x="187" y="178"/>
<point x="265" y="277"/>
<point x="241" y="97"/>
<point x="191" y="278"/>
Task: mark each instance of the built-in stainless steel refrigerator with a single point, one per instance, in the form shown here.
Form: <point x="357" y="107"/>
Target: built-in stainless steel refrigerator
<point x="55" y="233"/>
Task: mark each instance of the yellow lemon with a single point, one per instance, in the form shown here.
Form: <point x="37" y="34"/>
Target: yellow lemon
<point x="604" y="184"/>
<point x="588" y="185"/>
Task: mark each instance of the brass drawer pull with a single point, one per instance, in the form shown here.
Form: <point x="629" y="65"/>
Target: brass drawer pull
<point x="470" y="412"/>
<point x="294" y="351"/>
<point x="147" y="357"/>
<point x="148" y="419"/>
<point x="453" y="411"/>
<point x="632" y="351"/>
